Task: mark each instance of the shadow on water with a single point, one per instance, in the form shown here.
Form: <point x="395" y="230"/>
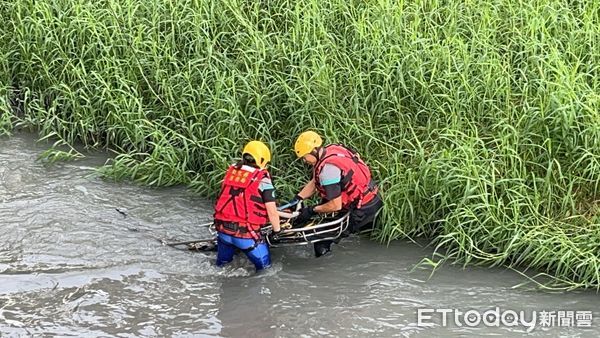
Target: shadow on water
<point x="72" y="264"/>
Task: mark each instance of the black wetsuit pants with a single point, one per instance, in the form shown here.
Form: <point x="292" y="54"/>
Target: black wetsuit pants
<point x="360" y="220"/>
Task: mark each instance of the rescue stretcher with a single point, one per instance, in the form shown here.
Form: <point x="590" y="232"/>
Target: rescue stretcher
<point x="321" y="228"/>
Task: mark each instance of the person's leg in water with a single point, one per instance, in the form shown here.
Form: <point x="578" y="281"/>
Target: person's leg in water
<point x="260" y="256"/>
<point x="257" y="253"/>
<point x="360" y="219"/>
<point x="225" y="249"/>
<point x="323" y="247"/>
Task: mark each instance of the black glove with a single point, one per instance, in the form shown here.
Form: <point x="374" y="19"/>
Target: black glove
<point x="305" y="215"/>
<point x="295" y="203"/>
<point x="275" y="235"/>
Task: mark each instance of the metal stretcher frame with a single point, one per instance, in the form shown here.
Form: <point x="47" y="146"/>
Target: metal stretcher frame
<point x="333" y="227"/>
<point x="329" y="230"/>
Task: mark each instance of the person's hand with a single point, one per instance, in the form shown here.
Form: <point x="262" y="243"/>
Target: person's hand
<point x="305" y="215"/>
<point x="295" y="203"/>
<point x="275" y="235"/>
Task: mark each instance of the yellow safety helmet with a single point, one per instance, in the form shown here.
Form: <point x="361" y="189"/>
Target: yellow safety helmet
<point x="259" y="152"/>
<point x="307" y="142"/>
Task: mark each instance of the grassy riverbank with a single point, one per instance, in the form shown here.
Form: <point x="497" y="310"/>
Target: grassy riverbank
<point x="480" y="119"/>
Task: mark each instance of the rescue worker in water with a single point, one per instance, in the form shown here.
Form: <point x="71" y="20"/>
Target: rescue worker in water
<point x="245" y="204"/>
<point x="342" y="180"/>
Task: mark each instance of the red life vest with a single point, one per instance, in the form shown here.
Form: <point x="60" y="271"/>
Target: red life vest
<point x="356" y="184"/>
<point x="240" y="210"/>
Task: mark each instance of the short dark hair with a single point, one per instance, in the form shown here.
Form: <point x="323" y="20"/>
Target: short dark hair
<point x="248" y="159"/>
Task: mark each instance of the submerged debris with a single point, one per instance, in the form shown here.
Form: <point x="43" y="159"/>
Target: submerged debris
<point x="122" y="212"/>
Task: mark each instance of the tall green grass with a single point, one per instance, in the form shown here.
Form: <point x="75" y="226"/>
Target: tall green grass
<point x="479" y="118"/>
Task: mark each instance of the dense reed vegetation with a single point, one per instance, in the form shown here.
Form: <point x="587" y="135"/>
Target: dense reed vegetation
<point x="480" y="118"/>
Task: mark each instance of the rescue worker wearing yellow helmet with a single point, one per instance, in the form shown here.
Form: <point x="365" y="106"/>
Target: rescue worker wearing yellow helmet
<point x="245" y="204"/>
<point x="342" y="180"/>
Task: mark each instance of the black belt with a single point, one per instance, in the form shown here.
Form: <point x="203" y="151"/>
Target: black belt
<point x="234" y="227"/>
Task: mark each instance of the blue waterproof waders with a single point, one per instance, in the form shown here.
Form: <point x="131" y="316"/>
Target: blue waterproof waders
<point x="257" y="253"/>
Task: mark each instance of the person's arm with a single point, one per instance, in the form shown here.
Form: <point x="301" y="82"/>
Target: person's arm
<point x="331" y="206"/>
<point x="330" y="179"/>
<point x="267" y="191"/>
<point x="308" y="190"/>
<point x="273" y="215"/>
